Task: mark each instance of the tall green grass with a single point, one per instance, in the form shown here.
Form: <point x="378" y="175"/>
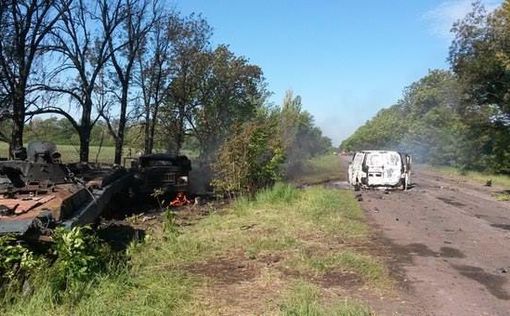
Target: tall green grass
<point x="304" y="299"/>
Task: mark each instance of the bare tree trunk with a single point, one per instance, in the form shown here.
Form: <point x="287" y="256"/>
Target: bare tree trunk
<point x="84" y="144"/>
<point x="119" y="140"/>
<point x="85" y="130"/>
<point x="181" y="129"/>
<point x="18" y="119"/>
<point x="152" y="132"/>
<point x="147" y="143"/>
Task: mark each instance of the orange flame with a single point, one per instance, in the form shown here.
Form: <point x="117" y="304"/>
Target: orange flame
<point x="180" y="200"/>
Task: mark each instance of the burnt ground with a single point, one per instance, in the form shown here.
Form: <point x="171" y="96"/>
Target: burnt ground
<point x="448" y="242"/>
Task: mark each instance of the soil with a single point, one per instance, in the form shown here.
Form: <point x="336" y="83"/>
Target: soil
<point x="448" y="242"/>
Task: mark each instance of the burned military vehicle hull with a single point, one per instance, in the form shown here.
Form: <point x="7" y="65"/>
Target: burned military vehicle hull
<point x="164" y="172"/>
<point x="39" y="192"/>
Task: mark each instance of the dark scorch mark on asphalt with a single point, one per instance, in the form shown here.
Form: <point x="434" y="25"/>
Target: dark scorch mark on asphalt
<point x="451" y="201"/>
<point x="502" y="226"/>
<point x="424" y="251"/>
<point x="493" y="283"/>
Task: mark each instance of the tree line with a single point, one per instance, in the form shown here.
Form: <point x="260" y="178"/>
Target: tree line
<point x="133" y="72"/>
<point x="458" y="117"/>
<point x="122" y="62"/>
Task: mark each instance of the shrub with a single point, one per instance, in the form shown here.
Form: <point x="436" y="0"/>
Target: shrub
<point x="16" y="261"/>
<point x="249" y="160"/>
<point x="80" y="256"/>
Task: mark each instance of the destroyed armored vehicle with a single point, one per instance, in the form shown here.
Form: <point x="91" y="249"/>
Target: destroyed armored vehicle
<point x="378" y="168"/>
<point x="165" y="172"/>
<point x="38" y="192"/>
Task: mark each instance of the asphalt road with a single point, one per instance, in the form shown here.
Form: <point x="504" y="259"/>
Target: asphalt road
<point x="450" y="238"/>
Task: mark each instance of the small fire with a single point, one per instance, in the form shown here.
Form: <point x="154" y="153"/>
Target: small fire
<point x="180" y="200"/>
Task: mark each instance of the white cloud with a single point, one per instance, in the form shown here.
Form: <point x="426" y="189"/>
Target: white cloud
<point x="442" y="17"/>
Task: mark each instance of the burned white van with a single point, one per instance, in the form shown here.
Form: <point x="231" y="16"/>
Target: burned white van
<point x="379" y="168"/>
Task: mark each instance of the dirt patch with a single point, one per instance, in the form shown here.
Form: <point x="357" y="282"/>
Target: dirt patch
<point x="225" y="270"/>
<point x="340" y="279"/>
<point x="449" y="252"/>
<point x="270" y="259"/>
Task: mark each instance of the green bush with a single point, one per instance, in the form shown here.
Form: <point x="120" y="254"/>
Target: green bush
<point x="250" y="160"/>
<point x="16" y="260"/>
<point x="80" y="256"/>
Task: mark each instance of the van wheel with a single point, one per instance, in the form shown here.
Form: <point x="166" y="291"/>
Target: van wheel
<point x="405" y="183"/>
<point x="357" y="186"/>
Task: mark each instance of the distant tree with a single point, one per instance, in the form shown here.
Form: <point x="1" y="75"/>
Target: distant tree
<point x="84" y="51"/>
<point x="153" y="74"/>
<point x="301" y="139"/>
<point x="25" y="25"/>
<point x="190" y="59"/>
<point x="140" y="17"/>
<point x="230" y="93"/>
<point x="480" y="56"/>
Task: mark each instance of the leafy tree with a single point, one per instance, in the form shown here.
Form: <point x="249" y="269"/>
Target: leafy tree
<point x="167" y="77"/>
<point x="140" y="17"/>
<point x="190" y="64"/>
<point x="301" y="139"/>
<point x="231" y="92"/>
<point x="427" y="122"/>
<point x="480" y="56"/>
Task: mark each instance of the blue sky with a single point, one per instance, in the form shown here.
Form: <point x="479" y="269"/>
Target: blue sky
<point x="346" y="59"/>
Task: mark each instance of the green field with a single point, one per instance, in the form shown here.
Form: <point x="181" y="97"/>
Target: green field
<point x="70" y="153"/>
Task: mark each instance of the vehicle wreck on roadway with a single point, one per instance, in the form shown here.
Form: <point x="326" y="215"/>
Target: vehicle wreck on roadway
<point x="379" y="168"/>
<point x="38" y="192"/>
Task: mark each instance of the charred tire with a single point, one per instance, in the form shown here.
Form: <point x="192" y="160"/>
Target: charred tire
<point x="357" y="186"/>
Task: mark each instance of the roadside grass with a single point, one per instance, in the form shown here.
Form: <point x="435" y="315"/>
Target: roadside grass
<point x="502" y="196"/>
<point x="304" y="298"/>
<point x="481" y="177"/>
<point x="267" y="255"/>
<point x="320" y="169"/>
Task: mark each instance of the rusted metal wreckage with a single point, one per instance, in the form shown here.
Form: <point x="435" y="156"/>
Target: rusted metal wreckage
<point x="38" y="192"/>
